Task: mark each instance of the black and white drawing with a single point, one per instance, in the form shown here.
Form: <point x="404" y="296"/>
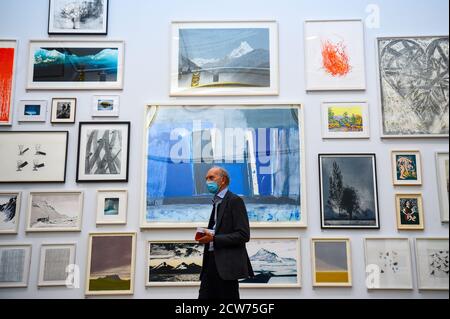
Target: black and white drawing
<point x="388" y="261"/>
<point x="78" y="16"/>
<point x="14" y="265"/>
<point x="414" y="86"/>
<point x="438" y="261"/>
<point x="103" y="151"/>
<point x="54" y="211"/>
<point x="9" y="211"/>
<point x="54" y="262"/>
<point x="432" y="263"/>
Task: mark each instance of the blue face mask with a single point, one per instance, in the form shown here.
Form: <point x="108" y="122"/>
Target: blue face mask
<point x="213" y="187"/>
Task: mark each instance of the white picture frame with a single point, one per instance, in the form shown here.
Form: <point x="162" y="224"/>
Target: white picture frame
<point x="83" y="20"/>
<point x="355" y="125"/>
<point x="334" y="55"/>
<point x="389" y="264"/>
<point x="442" y="174"/>
<point x="432" y="263"/>
<point x="112" y="206"/>
<point x="54" y="263"/>
<point x="60" y="114"/>
<point x="406" y="167"/>
<point x="207" y="76"/>
<point x="8" y="80"/>
<point x="45" y="54"/>
<point x="34" y="156"/>
<point x="32" y="111"/>
<point x="10" y="204"/>
<point x="15" y="274"/>
<point x="105" y="106"/>
<point x="55" y="211"/>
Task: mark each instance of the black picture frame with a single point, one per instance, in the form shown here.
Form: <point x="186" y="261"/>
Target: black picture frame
<point x="375" y="186"/>
<point x="63" y="180"/>
<point x="78" y="33"/>
<point x="79" y="152"/>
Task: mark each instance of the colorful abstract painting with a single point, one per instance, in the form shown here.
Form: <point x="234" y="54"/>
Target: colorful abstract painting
<point x="7" y="60"/>
<point x="334" y="55"/>
<point x="259" y="146"/>
<point x="406" y="168"/>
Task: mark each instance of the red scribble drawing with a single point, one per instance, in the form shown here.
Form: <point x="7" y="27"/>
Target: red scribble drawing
<point x="335" y="58"/>
<point x="6" y="78"/>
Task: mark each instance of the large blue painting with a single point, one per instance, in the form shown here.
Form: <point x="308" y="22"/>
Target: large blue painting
<point x="260" y="147"/>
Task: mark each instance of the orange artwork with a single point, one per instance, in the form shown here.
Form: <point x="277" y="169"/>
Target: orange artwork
<point x="6" y="81"/>
<point x="335" y="58"/>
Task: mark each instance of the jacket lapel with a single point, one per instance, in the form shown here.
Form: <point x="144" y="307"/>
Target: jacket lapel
<point x="221" y="210"/>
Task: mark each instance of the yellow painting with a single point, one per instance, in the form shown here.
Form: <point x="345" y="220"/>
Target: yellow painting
<point x="345" y="118"/>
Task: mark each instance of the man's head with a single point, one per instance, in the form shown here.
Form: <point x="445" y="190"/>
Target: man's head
<point x="217" y="179"/>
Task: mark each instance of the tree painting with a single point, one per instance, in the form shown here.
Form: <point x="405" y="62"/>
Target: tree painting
<point x="79" y="11"/>
<point x="345" y="119"/>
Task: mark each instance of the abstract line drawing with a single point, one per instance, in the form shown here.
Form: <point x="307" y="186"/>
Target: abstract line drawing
<point x="388" y="261"/>
<point x="335" y="58"/>
<point x="414" y="84"/>
<point x="103" y="152"/>
<point x="21" y="164"/>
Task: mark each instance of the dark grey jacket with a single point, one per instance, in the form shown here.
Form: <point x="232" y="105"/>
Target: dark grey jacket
<point x="231" y="233"/>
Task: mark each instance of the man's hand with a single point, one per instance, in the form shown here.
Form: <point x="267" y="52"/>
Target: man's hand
<point x="207" y="238"/>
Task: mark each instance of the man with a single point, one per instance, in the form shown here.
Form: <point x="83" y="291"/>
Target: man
<point x="225" y="258"/>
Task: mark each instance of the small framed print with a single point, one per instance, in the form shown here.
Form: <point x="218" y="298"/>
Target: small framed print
<point x="112" y="207"/>
<point x="59" y="211"/>
<point x="442" y="169"/>
<point x="406" y="168"/>
<point x="103" y="152"/>
<point x="331" y="262"/>
<point x="53" y="264"/>
<point x="32" y="111"/>
<point x="15" y="260"/>
<point x="409" y="208"/>
<point x="105" y="106"/>
<point x="78" y="17"/>
<point x="345" y="120"/>
<point x="9" y="212"/>
<point x="63" y="110"/>
<point x="432" y="263"/>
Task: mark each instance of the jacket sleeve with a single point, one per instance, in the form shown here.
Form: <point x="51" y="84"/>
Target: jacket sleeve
<point x="241" y="227"/>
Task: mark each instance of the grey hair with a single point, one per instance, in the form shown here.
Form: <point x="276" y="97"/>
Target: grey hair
<point x="224" y="174"/>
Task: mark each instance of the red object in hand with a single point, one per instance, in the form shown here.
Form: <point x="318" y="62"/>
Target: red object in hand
<point x="200" y="233"/>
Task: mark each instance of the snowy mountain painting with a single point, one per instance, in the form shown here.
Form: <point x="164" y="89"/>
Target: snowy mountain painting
<point x="274" y="262"/>
<point x="55" y="211"/>
<point x="75" y="64"/>
<point x="224" y="57"/>
<point x="174" y="262"/>
<point x="8" y="212"/>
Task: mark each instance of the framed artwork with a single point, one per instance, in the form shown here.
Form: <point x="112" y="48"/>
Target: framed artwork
<point x="15" y="260"/>
<point x="331" y="262"/>
<point x="59" y="211"/>
<point x="105" y="106"/>
<point x="224" y="58"/>
<point x="389" y="261"/>
<point x="78" y="17"/>
<point x="173" y="263"/>
<point x="64" y="110"/>
<point x="334" y="55"/>
<point x="432" y="263"/>
<point x="8" y="51"/>
<point x="9" y="212"/>
<point x="53" y="264"/>
<point x="345" y="120"/>
<point x="348" y="191"/>
<point x="112" y="207"/>
<point x="111" y="262"/>
<point x="276" y="263"/>
<point x="442" y="168"/>
<point x="261" y="146"/>
<point x="406" y="168"/>
<point x="34" y="156"/>
<point x="413" y="82"/>
<point x="103" y="152"/>
<point x="75" y="65"/>
<point x="409" y="208"/>
<point x="32" y="111"/>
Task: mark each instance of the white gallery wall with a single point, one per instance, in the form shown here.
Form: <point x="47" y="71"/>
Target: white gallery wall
<point x="145" y="27"/>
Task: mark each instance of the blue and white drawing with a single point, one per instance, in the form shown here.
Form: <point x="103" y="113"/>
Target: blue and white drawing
<point x="259" y="147"/>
